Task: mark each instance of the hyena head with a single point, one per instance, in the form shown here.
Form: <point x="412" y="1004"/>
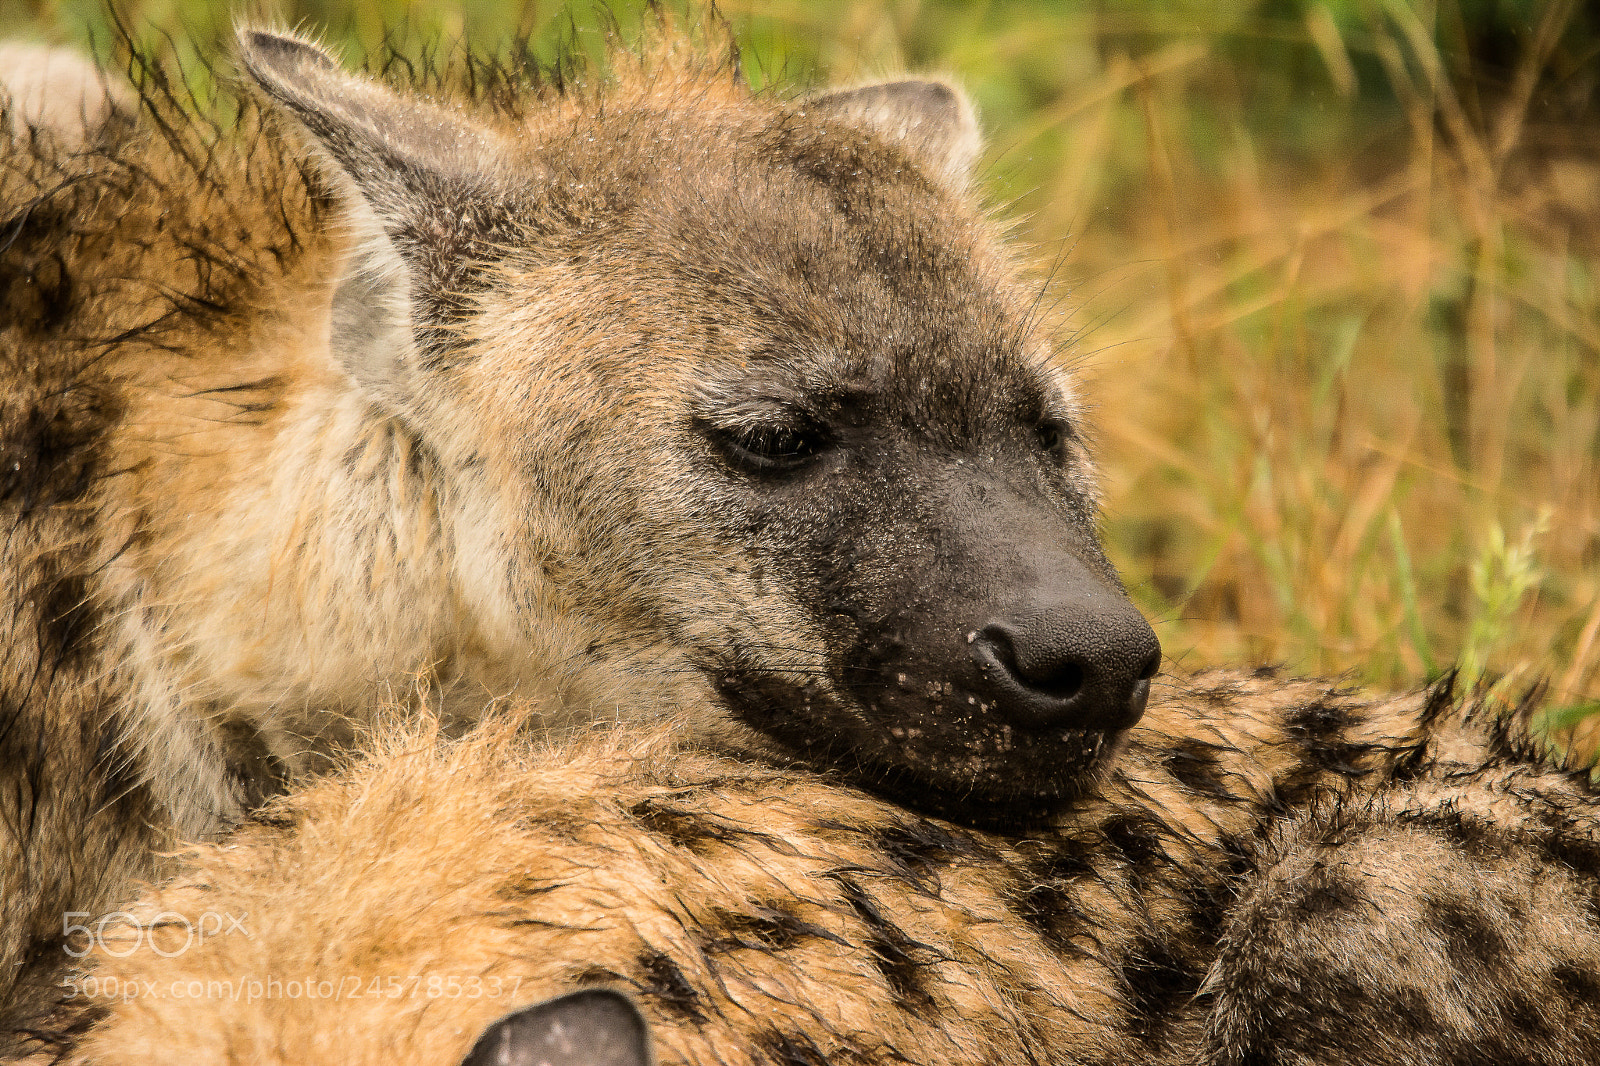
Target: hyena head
<point x="744" y="394"/>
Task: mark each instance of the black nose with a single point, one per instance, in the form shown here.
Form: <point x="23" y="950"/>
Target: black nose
<point x="1073" y="665"/>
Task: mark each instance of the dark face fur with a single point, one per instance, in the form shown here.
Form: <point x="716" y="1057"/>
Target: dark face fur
<point x="962" y="601"/>
<point x="901" y="461"/>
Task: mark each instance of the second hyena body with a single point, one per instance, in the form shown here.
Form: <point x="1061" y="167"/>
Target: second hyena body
<point x="1283" y="872"/>
<point x="644" y="398"/>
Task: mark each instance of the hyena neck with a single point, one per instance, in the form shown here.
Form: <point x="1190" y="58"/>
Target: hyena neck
<point x="275" y="591"/>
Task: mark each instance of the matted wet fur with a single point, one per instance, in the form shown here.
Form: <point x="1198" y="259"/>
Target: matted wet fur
<point x="639" y="394"/>
<point x="1276" y="872"/>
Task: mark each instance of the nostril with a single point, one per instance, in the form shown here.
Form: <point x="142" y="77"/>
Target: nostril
<point x="1060" y="680"/>
<point x="1152" y="665"/>
<point x="1064" y="682"/>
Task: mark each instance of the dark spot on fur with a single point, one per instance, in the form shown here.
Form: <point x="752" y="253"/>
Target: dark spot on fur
<point x="66" y="618"/>
<point x="1157" y="979"/>
<point x="900" y="959"/>
<point x="1524" y="1017"/>
<point x="1472" y="836"/>
<point x="686" y="829"/>
<point x="1576" y="983"/>
<point x="1138" y="836"/>
<point x="53" y="432"/>
<point x="661" y="979"/>
<point x="762" y="928"/>
<point x="1297" y="788"/>
<point x="1195" y="765"/>
<point x="1409" y="1013"/>
<point x="38" y="293"/>
<point x="1221" y="694"/>
<point x="1578" y="855"/>
<point x="1051" y="910"/>
<point x="1468" y="934"/>
<point x="123" y="790"/>
<point x="1318" y="728"/>
<point x="1067" y="860"/>
<point x="1238" y="857"/>
<point x="793" y="1049"/>
<point x="1318" y="720"/>
<point x="1554" y="818"/>
<point x="917" y="849"/>
<point x="55" y="1036"/>
<point x="1208" y="903"/>
<point x="589" y="976"/>
<point x="1327" y="891"/>
<point x="36" y="286"/>
<point x="522" y="886"/>
<point x="1327" y="1014"/>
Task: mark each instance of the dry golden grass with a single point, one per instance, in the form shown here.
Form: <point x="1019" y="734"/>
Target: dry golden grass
<point x="1364" y="395"/>
<point x="1337" y="292"/>
<point x="1344" y="338"/>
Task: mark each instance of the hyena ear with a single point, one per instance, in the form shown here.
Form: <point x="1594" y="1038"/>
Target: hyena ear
<point x="933" y="120"/>
<point x="420" y="190"/>
<point x="591" y="1028"/>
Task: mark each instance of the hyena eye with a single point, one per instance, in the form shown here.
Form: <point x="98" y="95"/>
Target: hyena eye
<point x="769" y="447"/>
<point x="1053" y="436"/>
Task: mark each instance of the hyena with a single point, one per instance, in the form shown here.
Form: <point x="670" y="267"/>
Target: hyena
<point x="1273" y="872"/>
<point x="644" y="397"/>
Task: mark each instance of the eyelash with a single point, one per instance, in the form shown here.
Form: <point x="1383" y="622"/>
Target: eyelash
<point x="769" y="448"/>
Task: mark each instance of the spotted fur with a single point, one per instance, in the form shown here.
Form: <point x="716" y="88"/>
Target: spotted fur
<point x="504" y="383"/>
<point x="1278" y="871"/>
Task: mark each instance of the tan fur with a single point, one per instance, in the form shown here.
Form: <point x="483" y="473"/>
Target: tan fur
<point x="1257" y="833"/>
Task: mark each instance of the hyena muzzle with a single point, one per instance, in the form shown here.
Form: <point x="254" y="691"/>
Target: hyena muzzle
<point x="645" y="397"/>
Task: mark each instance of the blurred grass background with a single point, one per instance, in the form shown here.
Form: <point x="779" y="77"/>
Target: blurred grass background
<point x="1332" y="267"/>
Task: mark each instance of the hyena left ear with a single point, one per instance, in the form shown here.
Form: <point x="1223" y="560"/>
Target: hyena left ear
<point x="428" y="213"/>
<point x="932" y="120"/>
